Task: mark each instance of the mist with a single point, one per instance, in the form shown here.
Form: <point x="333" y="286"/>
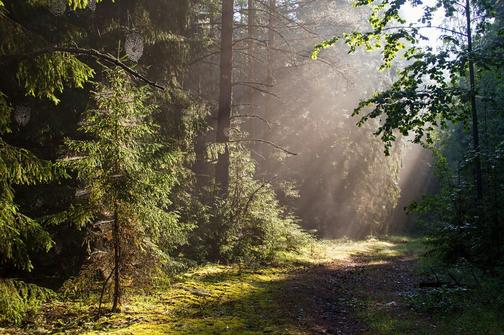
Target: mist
<point x="346" y="185"/>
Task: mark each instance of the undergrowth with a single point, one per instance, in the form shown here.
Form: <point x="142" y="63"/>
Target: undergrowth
<point x="447" y="299"/>
<point x="238" y="299"/>
<point x="207" y="299"/>
<point x="467" y="300"/>
<point x="17" y="299"/>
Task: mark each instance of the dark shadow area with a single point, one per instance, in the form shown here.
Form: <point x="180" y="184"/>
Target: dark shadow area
<point x="329" y="298"/>
<point x="323" y="299"/>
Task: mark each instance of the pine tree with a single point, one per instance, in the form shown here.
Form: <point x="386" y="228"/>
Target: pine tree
<point x="126" y="173"/>
<point x="48" y="48"/>
<point x="44" y="76"/>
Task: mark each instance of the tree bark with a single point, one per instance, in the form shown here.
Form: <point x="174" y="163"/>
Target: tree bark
<point x="474" y="111"/>
<point x="224" y="111"/>
<point x="117" y="261"/>
<point x="116" y="234"/>
<point x="251" y="31"/>
<point x="269" y="58"/>
<point x="271" y="41"/>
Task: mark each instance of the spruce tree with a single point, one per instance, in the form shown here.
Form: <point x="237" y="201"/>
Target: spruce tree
<point x="37" y="75"/>
<point x="47" y="48"/>
<point x="126" y="173"/>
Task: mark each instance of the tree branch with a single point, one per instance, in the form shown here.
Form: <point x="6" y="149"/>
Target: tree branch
<point x="426" y="27"/>
<point x="256" y="88"/>
<point x="252" y="116"/>
<point x="266" y="142"/>
<point x="98" y="55"/>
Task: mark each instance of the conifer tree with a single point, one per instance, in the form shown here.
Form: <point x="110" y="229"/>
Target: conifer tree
<point x="20" y="235"/>
<point x="39" y="75"/>
<point x="126" y="174"/>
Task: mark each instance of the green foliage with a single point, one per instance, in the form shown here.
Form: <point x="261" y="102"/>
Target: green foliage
<point x="431" y="95"/>
<point x="20" y="234"/>
<point x="42" y="76"/>
<point x="461" y="225"/>
<point x="412" y="105"/>
<point x="257" y="226"/>
<point x="156" y="166"/>
<point x="126" y="172"/>
<point x="426" y="94"/>
<point x="250" y="226"/>
<point x="48" y="74"/>
<point x="323" y="45"/>
<point x="18" y="298"/>
<point x="75" y="4"/>
<point x="469" y="300"/>
<point x="5" y="114"/>
<point x="443" y="299"/>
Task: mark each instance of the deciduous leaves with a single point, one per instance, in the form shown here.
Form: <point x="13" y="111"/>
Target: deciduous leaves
<point x="419" y="100"/>
<point x="426" y="92"/>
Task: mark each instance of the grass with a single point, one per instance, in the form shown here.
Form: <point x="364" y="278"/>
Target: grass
<point x="476" y="308"/>
<point x="377" y="250"/>
<point x="212" y="299"/>
<point x="218" y="299"/>
<point x="382" y="322"/>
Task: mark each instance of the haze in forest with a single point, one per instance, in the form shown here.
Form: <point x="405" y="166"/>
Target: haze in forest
<point x="345" y="184"/>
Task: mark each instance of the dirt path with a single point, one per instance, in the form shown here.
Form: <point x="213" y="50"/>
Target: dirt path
<point x="334" y="298"/>
<point x="355" y="287"/>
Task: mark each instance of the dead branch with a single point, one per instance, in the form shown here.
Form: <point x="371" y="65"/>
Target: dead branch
<point x="455" y="280"/>
<point x="258" y="89"/>
<point x="252" y="116"/>
<point x="251" y="83"/>
<point x="286" y="18"/>
<point x="266" y="142"/>
<point x="194" y="61"/>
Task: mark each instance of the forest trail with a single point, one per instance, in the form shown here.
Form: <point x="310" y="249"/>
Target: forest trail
<point x="338" y="287"/>
<point x="359" y="294"/>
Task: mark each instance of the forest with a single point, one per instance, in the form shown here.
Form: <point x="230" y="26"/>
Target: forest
<point x="252" y="167"/>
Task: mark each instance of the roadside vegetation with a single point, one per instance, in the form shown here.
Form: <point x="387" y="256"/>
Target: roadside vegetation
<point x="229" y="299"/>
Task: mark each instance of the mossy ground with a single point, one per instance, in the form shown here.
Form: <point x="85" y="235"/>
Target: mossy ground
<point x="334" y="287"/>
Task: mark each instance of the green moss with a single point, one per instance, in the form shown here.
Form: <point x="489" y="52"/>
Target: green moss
<point x="214" y="299"/>
<point x="218" y="299"/>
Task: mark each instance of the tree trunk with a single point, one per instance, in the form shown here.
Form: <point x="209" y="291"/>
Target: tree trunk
<point x="224" y="112"/>
<point x="269" y="58"/>
<point x="116" y="235"/>
<point x="474" y="112"/>
<point x="271" y="40"/>
<point x="251" y="31"/>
